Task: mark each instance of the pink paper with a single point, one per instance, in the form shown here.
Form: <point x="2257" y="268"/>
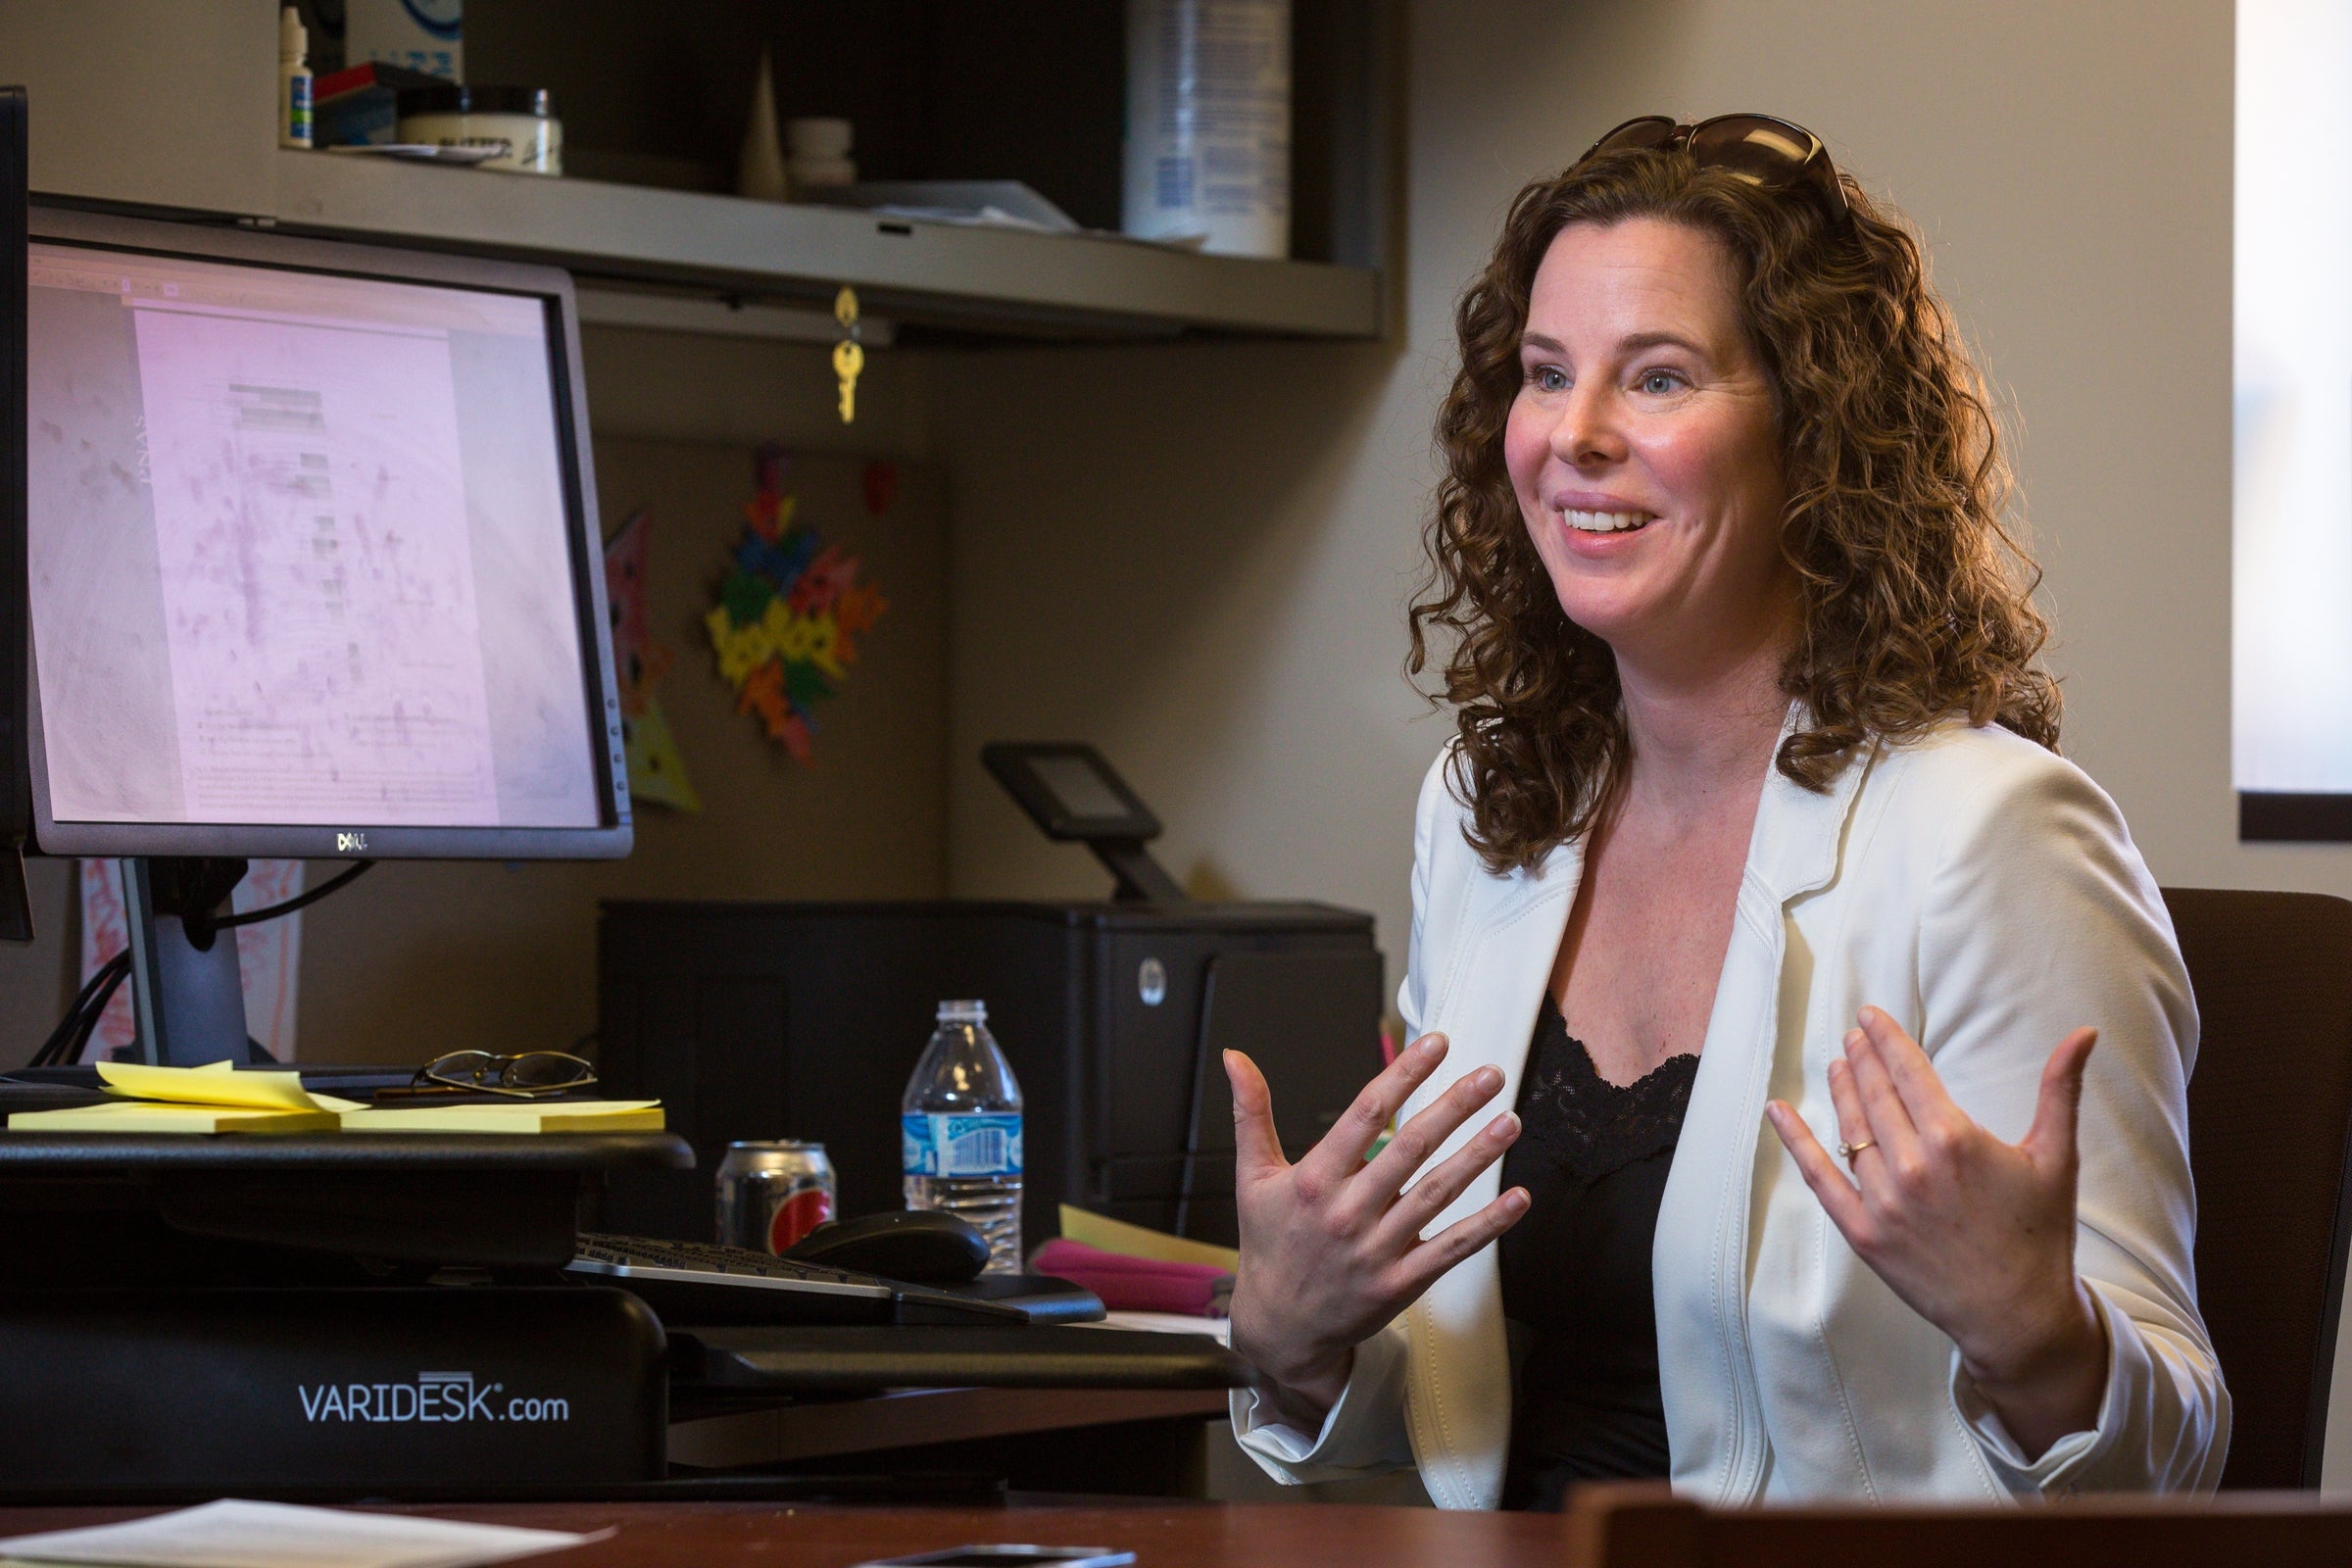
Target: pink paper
<point x="268" y="954"/>
<point x="1133" y="1284"/>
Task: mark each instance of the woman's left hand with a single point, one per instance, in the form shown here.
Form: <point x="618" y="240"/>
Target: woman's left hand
<point x="1978" y="1236"/>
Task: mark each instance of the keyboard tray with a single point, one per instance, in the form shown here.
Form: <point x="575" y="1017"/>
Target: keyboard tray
<point x="862" y="1359"/>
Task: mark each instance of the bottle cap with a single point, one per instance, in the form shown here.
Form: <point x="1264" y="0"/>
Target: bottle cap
<point x="293" y="38"/>
<point x="964" y="1012"/>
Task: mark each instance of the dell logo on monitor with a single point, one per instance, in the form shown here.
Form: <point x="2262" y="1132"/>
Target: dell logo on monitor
<point x="351" y="844"/>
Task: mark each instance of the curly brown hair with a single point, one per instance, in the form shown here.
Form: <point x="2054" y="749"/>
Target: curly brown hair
<point x="1917" y="601"/>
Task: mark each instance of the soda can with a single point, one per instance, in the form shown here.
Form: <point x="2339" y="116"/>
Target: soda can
<point x="771" y="1195"/>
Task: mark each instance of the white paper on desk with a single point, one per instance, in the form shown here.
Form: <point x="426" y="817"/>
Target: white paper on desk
<point x="231" y="1533"/>
<point x="1217" y="1328"/>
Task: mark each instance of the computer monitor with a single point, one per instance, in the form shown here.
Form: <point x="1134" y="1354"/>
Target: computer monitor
<point x="315" y="572"/>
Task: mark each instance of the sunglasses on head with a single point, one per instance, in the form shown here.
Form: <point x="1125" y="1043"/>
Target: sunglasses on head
<point x="1760" y="149"/>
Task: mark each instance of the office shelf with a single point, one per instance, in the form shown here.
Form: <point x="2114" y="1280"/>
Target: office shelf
<point x="1030" y="93"/>
<point x="999" y="281"/>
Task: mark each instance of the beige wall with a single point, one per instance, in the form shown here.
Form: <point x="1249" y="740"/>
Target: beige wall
<point x="1200" y="557"/>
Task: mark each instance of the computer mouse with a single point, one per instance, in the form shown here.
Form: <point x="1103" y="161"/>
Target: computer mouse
<point x="922" y="1247"/>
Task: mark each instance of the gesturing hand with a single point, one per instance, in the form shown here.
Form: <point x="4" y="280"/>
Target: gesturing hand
<point x="1978" y="1236"/>
<point x="1331" y="1247"/>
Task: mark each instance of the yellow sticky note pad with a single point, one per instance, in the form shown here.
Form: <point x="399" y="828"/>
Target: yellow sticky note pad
<point x="1090" y="1229"/>
<point x="148" y="1117"/>
<point x="217" y="1084"/>
<point x="518" y="1116"/>
<point x="219" y="1098"/>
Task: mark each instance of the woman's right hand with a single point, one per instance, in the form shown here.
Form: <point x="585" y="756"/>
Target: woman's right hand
<point x="1332" y="1247"/>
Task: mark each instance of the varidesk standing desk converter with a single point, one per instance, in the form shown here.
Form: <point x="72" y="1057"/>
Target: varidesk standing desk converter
<point x="206" y="1314"/>
<point x="332" y="1316"/>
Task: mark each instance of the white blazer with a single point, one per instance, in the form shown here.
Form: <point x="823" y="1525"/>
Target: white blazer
<point x="1986" y="895"/>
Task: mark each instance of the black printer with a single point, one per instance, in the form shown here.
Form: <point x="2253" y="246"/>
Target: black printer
<point x="802" y="1020"/>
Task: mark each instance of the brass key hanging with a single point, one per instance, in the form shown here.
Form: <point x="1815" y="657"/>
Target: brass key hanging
<point x="849" y="356"/>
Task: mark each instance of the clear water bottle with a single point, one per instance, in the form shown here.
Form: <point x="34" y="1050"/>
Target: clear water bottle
<point x="960" y="1132"/>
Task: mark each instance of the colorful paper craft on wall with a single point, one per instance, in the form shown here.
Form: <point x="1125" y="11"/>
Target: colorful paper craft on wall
<point x="790" y="612"/>
<point x="657" y="771"/>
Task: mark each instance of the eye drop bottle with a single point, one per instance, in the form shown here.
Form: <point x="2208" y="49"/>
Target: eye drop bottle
<point x="294" y="123"/>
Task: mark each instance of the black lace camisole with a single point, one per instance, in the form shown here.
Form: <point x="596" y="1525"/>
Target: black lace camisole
<point x="1576" y="1284"/>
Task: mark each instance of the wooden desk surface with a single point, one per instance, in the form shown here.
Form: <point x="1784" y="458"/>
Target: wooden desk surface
<point x="711" y="1535"/>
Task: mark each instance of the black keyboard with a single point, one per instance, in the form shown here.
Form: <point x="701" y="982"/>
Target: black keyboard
<point x="704" y="1284"/>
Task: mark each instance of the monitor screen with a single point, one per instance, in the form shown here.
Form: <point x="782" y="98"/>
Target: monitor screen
<point x="303" y="553"/>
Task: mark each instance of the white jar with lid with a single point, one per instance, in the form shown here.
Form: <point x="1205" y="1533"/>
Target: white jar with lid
<point x="820" y="152"/>
<point x="520" y="122"/>
<point x="1208" y="123"/>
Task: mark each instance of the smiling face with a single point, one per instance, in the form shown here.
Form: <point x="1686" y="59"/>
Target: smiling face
<point x="1643" y="450"/>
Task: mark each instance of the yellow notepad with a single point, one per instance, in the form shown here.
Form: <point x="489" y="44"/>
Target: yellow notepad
<point x="219" y="1098"/>
<point x="212" y="1099"/>
<point x="1138" y="1241"/>
<point x="513" y="1117"/>
<point x="147" y="1116"/>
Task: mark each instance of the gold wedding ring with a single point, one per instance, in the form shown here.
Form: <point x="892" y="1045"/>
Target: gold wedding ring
<point x="1848" y="1151"/>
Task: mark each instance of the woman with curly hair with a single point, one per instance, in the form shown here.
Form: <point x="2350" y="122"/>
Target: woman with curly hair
<point x="1753" y="843"/>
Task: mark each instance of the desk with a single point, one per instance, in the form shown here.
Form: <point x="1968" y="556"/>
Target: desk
<point x="920" y="1417"/>
<point x="690" y="1535"/>
<point x="1140" y="1443"/>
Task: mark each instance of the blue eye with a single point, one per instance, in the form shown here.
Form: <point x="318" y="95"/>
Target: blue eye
<point x="1657" y="383"/>
<point x="1549" y="378"/>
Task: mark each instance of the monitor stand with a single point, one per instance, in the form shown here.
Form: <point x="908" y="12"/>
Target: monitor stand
<point x="186" y="992"/>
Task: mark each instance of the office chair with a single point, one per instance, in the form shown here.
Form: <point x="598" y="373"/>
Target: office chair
<point x="1643" y="1525"/>
<point x="2269" y="1111"/>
